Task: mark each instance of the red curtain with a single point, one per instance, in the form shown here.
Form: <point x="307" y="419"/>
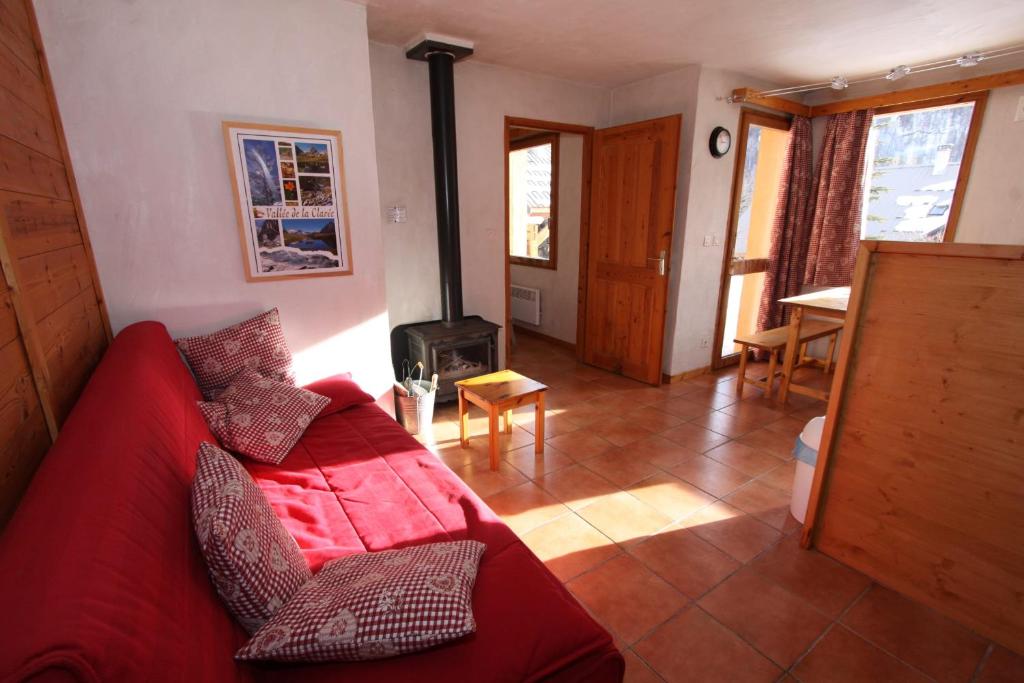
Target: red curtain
<point x="835" y="225"/>
<point x="787" y="256"/>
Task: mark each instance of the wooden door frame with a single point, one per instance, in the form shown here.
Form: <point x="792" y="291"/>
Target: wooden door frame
<point x="587" y="132"/>
<point x="748" y="116"/>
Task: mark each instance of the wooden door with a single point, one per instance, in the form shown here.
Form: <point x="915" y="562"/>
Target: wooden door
<point x="633" y="191"/>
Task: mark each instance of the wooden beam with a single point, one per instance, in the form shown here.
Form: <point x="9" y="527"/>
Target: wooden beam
<point x="926" y="92"/>
<point x="751" y="96"/>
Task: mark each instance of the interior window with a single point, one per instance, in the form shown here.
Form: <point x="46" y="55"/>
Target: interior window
<point x="912" y="167"/>
<point x="532" y="199"/>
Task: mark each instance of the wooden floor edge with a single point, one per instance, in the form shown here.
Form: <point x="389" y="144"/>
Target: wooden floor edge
<point x="525" y="331"/>
<point x="689" y="374"/>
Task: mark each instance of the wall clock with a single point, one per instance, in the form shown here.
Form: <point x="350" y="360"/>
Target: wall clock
<point x="720" y="142"/>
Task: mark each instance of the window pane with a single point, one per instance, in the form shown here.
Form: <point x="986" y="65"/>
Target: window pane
<point x="747" y="190"/>
<point x="912" y="162"/>
<point x="529" y="187"/>
<point x="759" y="190"/>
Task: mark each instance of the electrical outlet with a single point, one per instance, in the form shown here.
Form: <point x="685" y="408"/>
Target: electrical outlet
<point x="704" y="342"/>
<point x="1019" y="116"/>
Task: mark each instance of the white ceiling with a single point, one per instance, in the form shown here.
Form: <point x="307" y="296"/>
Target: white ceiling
<point x="612" y="42"/>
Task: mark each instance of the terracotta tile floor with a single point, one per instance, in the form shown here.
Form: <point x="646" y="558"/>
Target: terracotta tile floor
<point x="666" y="512"/>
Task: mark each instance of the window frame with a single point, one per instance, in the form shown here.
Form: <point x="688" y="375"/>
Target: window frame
<point x="974" y="130"/>
<point x="542" y="137"/>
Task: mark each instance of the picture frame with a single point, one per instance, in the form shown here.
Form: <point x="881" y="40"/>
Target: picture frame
<point x="290" y="200"/>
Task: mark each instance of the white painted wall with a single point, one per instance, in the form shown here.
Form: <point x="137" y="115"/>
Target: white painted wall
<point x="993" y="209"/>
<point x="484" y="95"/>
<point x="560" y="287"/>
<point x="405" y="171"/>
<point x="143" y="88"/>
<point x="702" y="198"/>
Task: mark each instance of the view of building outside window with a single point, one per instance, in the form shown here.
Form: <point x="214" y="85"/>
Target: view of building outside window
<point x="747" y="190"/>
<point x="530" y="202"/>
<point x="912" y="163"/>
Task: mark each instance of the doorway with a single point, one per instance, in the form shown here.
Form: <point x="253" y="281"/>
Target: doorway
<point x="627" y="186"/>
<point x="760" y="156"/>
<point x="547" y="202"/>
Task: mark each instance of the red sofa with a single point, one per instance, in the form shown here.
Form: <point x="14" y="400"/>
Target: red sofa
<point x="101" y="578"/>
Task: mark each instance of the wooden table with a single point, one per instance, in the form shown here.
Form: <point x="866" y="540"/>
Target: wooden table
<point x="828" y="303"/>
<point x="500" y="392"/>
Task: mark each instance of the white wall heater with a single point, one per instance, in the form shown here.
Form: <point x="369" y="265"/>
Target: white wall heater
<point x="526" y="304"/>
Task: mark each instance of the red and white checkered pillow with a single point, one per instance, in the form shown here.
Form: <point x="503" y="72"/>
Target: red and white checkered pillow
<point x="255" y="344"/>
<point x="375" y="605"/>
<point x="253" y="561"/>
<point x="261" y="418"/>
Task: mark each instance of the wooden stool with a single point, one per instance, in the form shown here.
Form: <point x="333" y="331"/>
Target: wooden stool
<point x="774" y="340"/>
<point x="500" y="392"/>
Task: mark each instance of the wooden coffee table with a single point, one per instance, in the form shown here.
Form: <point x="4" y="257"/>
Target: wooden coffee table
<point x="500" y="392"/>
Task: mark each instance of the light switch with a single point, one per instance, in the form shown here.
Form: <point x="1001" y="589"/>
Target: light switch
<point x="707" y="240"/>
<point x="716" y="241"/>
<point x="1019" y="116"/>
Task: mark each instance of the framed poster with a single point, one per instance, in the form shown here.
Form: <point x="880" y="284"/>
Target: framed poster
<point x="290" y="200"/>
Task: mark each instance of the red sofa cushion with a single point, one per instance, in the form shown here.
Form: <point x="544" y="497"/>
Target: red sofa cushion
<point x="101" y="577"/>
<point x="343" y="392"/>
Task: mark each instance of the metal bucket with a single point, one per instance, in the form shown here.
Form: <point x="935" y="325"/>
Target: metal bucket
<point x="416" y="412"/>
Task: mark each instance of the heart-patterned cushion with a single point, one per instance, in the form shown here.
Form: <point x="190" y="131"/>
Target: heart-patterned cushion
<point x="256" y="344"/>
<point x="261" y="418"/>
<point x="375" y="605"/>
<point x="254" y="563"/>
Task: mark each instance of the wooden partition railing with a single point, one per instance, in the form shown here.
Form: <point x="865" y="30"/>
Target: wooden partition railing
<point x="53" y="324"/>
<point x="920" y="478"/>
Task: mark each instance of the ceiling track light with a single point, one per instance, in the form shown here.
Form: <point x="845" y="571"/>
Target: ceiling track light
<point x="971" y="59"/>
<point x="898" y="73"/>
<point x="840" y="83"/>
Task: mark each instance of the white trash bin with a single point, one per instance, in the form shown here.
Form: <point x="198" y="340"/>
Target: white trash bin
<point x="806" y="453"/>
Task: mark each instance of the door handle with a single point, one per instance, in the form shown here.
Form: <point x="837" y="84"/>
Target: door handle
<point x="661" y="262"/>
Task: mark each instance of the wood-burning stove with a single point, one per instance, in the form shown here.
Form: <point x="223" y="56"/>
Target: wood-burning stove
<point x="467" y="349"/>
<point x="455" y="347"/>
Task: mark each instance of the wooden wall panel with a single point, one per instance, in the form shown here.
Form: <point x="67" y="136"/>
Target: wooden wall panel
<point x="53" y="324"/>
<point x="17" y="77"/>
<point x="920" y="482"/>
<point x="22" y="423"/>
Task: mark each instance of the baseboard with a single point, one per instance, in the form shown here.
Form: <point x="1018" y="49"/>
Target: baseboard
<point x="689" y="374"/>
<point x="525" y="331"/>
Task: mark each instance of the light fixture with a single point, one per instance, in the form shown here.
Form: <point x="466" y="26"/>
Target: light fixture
<point x="898" y="73"/>
<point x="840" y="83"/>
<point x="971" y="59"/>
